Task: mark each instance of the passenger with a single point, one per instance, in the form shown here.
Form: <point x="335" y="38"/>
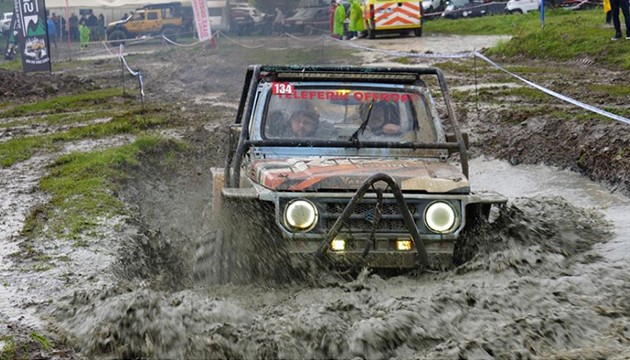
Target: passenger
<point x="384" y="118"/>
<point x="304" y="123"/>
<point x="276" y="124"/>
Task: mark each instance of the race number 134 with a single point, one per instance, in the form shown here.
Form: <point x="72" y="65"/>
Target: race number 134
<point x="281" y="88"/>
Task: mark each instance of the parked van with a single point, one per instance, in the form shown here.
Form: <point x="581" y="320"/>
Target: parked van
<point x="522" y="6"/>
<point x="219" y="15"/>
<point x="385" y="16"/>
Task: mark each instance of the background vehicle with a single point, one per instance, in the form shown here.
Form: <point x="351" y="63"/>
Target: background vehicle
<point x="472" y="8"/>
<point x="168" y="19"/>
<point x="5" y="22"/>
<point x="522" y="6"/>
<point x="384" y="17"/>
<point x="219" y="15"/>
<point x="429" y="7"/>
<point x="311" y="16"/>
<point x="247" y="20"/>
<point x="344" y="192"/>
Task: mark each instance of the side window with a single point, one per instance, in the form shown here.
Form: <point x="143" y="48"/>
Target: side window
<point x="152" y="16"/>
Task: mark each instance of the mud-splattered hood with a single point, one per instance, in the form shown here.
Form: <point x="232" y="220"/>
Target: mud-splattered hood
<point x="349" y="174"/>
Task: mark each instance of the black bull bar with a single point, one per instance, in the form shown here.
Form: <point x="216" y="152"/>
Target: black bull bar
<point x="410" y="224"/>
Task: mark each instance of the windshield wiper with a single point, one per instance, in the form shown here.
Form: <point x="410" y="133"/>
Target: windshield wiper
<point x="355" y="136"/>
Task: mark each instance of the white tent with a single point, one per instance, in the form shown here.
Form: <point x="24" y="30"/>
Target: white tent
<point x="50" y="4"/>
<point x="111" y="9"/>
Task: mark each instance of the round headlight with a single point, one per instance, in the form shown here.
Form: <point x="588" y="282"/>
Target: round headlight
<point x="300" y="215"/>
<point x="440" y="217"/>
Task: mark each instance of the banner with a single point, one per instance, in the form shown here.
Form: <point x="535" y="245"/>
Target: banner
<point x="200" y="9"/>
<point x="30" y="23"/>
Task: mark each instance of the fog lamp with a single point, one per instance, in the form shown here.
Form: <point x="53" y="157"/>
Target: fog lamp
<point x="403" y="245"/>
<point x="338" y="244"/>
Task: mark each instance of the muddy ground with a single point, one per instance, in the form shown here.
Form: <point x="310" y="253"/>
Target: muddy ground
<point x="541" y="286"/>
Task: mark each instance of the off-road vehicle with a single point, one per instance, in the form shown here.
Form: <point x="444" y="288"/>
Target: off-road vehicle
<point x="168" y="19"/>
<point x="379" y="177"/>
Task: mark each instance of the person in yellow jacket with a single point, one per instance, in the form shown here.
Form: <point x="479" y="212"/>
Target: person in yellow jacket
<point x="340" y="17"/>
<point x="607" y="11"/>
<point x="356" y="25"/>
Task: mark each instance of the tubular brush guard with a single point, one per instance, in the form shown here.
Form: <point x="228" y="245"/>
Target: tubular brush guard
<point x="358" y="197"/>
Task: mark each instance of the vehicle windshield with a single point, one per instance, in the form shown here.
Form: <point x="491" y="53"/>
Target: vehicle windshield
<point x="356" y="114"/>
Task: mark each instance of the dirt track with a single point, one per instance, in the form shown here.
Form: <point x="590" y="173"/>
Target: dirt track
<point x="544" y="287"/>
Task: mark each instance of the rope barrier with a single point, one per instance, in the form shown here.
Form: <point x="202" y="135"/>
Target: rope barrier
<point x="241" y="44"/>
<point x="137" y="73"/>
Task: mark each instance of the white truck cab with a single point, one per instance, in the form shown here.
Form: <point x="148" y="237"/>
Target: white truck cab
<point x="522" y="6"/>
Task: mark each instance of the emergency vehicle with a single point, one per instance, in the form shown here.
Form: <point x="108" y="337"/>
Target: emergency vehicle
<point x="386" y="17"/>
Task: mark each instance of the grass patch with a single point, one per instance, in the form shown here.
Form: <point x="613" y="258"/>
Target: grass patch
<point x="132" y="122"/>
<point x="65" y="103"/>
<point x="610" y="90"/>
<point x="83" y="187"/>
<point x="41" y="340"/>
<point x="567" y="35"/>
<point x="64" y="118"/>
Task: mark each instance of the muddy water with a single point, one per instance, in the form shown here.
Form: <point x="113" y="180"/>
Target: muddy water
<point x="545" y="285"/>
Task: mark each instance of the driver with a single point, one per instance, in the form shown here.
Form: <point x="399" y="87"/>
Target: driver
<point x="304" y="123"/>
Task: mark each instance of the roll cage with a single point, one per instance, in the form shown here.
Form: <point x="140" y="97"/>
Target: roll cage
<point x="240" y="142"/>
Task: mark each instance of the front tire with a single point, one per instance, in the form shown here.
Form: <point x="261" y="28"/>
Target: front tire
<point x="170" y="33"/>
<point x="117" y="37"/>
<point x="418" y="32"/>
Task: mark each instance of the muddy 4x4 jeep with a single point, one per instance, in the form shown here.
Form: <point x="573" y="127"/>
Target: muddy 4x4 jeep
<point x="346" y="191"/>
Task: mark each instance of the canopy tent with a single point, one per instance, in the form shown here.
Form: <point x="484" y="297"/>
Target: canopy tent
<point x="105" y="3"/>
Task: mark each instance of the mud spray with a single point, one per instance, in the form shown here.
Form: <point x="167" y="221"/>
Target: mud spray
<point x="534" y="289"/>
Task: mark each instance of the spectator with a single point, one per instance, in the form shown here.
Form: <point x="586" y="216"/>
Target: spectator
<point x="84" y="33"/>
<point x="615" y="5"/>
<point x="101" y="27"/>
<point x="124" y="17"/>
<point x="331" y="16"/>
<point x="340" y="17"/>
<point x="278" y="22"/>
<point x="607" y="11"/>
<point x="52" y="31"/>
<point x="57" y="21"/>
<point x="92" y="24"/>
<point x="356" y="25"/>
<point x="73" y="22"/>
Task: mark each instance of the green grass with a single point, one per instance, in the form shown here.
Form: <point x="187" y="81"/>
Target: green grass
<point x="567" y="35"/>
<point x="41" y="339"/>
<point x="83" y="188"/>
<point x="132" y="122"/>
<point x="103" y="98"/>
<point x="64" y="118"/>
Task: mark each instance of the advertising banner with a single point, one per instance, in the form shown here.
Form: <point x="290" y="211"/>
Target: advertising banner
<point x="200" y="9"/>
<point x="30" y="24"/>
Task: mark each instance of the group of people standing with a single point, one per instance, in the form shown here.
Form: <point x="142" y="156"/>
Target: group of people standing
<point x="338" y="15"/>
<point x="83" y="29"/>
